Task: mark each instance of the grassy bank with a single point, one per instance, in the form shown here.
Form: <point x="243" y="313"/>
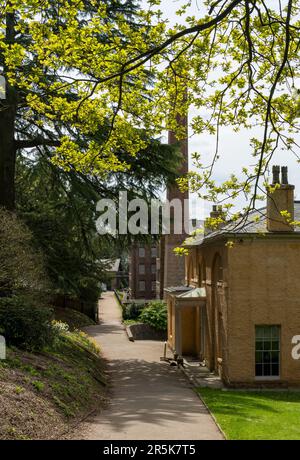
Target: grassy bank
<point x="255" y="415"/>
<point x="45" y="395"/>
<point x="75" y="319"/>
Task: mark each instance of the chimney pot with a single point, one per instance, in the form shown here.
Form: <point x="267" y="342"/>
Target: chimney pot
<point x="278" y="200"/>
<point x="276" y="174"/>
<point x="215" y="213"/>
<point x="284" y="175"/>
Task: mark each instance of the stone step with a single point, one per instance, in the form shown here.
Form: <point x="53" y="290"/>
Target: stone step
<point x="202" y="379"/>
<point x="196" y="374"/>
<point x="196" y="366"/>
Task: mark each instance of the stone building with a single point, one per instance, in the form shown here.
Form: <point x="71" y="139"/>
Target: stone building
<point x="239" y="310"/>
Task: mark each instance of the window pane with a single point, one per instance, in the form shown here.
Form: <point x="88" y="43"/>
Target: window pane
<point x="258" y="370"/>
<point x="153" y="252"/>
<point x="267" y="332"/>
<point x="259" y="345"/>
<point x="259" y="332"/>
<point x="275" y="357"/>
<point x="267" y="345"/>
<point x="142" y="285"/>
<point x="275" y="369"/>
<point x="267" y="369"/>
<point x="259" y="357"/>
<point x="275" y="332"/>
<point x="142" y="252"/>
<point x="266" y="357"/>
<point x="275" y="345"/>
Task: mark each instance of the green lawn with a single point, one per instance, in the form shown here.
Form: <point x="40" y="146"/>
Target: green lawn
<point x="255" y="415"/>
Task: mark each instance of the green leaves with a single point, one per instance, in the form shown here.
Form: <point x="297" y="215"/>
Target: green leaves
<point x="155" y="314"/>
<point x="84" y="67"/>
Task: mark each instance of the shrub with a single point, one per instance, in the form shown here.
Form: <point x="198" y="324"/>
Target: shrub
<point x="132" y="310"/>
<point x="155" y="314"/>
<point x="21" y="266"/>
<point x="25" y="318"/>
<point x="26" y="326"/>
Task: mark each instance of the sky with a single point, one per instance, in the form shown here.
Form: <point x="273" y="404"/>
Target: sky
<point x="234" y="148"/>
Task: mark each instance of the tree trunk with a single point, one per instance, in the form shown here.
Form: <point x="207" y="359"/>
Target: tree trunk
<point x="7" y="133"/>
<point x="7" y="157"/>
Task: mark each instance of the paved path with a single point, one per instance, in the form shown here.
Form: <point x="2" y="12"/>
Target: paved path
<point x="151" y="400"/>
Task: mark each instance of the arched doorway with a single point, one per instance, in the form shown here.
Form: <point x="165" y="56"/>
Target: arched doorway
<point x="201" y="273"/>
<point x="217" y="345"/>
<point x="202" y="313"/>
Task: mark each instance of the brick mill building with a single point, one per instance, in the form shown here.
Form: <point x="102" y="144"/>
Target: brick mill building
<point x="170" y="268"/>
<point x="152" y="267"/>
<point x="239" y="310"/>
<point x="142" y="271"/>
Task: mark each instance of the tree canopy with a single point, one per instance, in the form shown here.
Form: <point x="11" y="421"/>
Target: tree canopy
<point x="59" y="207"/>
<point x="76" y="65"/>
<point x="45" y="108"/>
<point x="46" y="148"/>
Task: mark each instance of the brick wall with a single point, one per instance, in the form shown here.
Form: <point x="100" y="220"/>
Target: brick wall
<point x="259" y="287"/>
<point x="263" y="290"/>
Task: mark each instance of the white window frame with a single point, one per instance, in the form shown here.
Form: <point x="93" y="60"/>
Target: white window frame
<point x="268" y="377"/>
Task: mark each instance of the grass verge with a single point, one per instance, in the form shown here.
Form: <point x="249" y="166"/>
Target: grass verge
<point x="261" y="415"/>
<point x="129" y="322"/>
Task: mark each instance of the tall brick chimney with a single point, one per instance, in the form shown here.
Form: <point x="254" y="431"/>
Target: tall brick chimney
<point x="172" y="267"/>
<point x="282" y="199"/>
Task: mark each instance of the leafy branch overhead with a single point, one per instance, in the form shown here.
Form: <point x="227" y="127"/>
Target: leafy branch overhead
<point x="77" y="67"/>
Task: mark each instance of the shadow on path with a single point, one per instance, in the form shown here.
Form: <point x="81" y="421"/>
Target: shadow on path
<point x="150" y="399"/>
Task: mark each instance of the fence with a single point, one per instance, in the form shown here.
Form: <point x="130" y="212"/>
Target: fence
<point x="90" y="309"/>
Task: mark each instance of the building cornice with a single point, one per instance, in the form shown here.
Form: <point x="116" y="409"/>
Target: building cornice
<point x="250" y="236"/>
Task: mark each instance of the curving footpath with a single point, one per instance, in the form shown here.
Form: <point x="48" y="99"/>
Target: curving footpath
<point x="150" y="399"/>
